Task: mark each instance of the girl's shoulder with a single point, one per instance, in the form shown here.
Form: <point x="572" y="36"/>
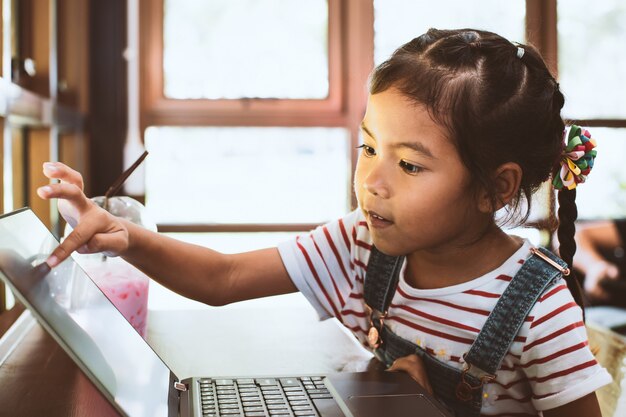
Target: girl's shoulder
<point x="556" y="300"/>
<point x="351" y="230"/>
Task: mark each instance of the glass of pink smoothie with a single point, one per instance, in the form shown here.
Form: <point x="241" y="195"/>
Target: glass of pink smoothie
<point x="123" y="284"/>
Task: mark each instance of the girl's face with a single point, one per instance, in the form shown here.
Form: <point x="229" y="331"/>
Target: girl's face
<point x="410" y="181"/>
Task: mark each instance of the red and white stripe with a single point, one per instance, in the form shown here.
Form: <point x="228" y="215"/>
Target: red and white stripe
<point x="549" y="355"/>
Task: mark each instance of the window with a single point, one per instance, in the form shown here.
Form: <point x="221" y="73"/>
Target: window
<point x="245" y="49"/>
<point x="256" y="105"/>
<point x="247" y="174"/>
<point x="43" y="101"/>
<point x="398" y="21"/>
<point x="207" y="69"/>
<point x="588" y="41"/>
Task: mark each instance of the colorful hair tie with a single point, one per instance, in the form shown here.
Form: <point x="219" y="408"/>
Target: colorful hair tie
<point x="576" y="160"/>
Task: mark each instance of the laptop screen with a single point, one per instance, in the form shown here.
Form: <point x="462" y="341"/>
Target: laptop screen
<point x="72" y="308"/>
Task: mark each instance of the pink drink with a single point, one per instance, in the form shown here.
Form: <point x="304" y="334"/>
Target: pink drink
<point x="125" y="286"/>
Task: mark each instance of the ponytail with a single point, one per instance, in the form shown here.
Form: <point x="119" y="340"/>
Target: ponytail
<point x="568" y="213"/>
<point x="575" y="164"/>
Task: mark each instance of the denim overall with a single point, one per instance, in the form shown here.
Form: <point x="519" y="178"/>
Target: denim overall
<point x="460" y="390"/>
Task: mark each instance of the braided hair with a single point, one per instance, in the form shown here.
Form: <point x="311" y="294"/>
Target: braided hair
<point x="499" y="103"/>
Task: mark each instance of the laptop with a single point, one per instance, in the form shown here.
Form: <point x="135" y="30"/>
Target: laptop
<point x="132" y="377"/>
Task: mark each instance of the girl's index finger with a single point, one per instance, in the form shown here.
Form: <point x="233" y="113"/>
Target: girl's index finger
<point x="77" y="238"/>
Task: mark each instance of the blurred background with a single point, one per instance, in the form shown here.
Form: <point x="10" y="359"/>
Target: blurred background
<point x="250" y="108"/>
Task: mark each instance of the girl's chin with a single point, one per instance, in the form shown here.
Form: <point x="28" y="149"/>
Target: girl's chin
<point x="386" y="247"/>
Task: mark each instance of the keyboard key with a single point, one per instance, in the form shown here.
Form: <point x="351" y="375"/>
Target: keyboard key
<point x="273" y="396"/>
<point x="303" y="413"/>
<point x="229" y="406"/>
<point x="299" y="402"/>
<point x="229" y="401"/>
<point x="317" y="396"/>
<point x="289" y="382"/>
<point x="266" y="381"/>
<point x="318" y="391"/>
<point x="277" y="406"/>
<point x="246" y="409"/>
<point x="276" y="401"/>
<point x="224" y="382"/>
<point x="231" y="412"/>
<point x="244" y="381"/>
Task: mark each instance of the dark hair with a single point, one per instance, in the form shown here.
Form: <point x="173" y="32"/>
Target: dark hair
<point x="499" y="104"/>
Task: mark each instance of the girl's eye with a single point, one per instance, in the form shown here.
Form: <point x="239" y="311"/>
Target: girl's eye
<point x="409" y="168"/>
<point x="367" y="150"/>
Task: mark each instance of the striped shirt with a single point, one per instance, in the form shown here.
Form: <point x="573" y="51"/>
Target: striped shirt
<point x="548" y="365"/>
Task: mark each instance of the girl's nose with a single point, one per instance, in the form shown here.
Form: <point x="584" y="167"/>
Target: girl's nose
<point x="376" y="184"/>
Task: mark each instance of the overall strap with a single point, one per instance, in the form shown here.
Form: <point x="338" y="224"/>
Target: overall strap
<point x="488" y="350"/>
<point x="383" y="272"/>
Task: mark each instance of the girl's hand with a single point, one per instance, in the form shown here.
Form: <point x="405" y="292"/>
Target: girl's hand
<point x="414" y="366"/>
<point x="95" y="230"/>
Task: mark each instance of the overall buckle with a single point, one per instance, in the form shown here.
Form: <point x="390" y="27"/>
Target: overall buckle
<point x="465" y="390"/>
<point x="373" y="334"/>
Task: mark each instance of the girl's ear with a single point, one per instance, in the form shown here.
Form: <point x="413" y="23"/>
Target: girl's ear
<point x="507" y="179"/>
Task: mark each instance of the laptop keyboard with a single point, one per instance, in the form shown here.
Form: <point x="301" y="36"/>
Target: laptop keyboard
<point x="248" y="397"/>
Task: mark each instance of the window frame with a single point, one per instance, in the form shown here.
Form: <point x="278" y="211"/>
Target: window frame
<point x="158" y="110"/>
<point x="351" y="58"/>
<point x="541" y="31"/>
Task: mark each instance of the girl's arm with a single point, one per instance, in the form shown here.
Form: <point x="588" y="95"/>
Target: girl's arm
<point x="204" y="274"/>
<point x="193" y="271"/>
<point x="586" y="406"/>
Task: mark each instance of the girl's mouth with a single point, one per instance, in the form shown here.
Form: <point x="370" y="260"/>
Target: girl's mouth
<point x="377" y="221"/>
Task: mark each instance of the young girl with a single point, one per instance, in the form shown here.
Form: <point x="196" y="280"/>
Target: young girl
<point x="458" y="125"/>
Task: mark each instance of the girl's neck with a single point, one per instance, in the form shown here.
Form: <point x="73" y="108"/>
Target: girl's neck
<point x="452" y="265"/>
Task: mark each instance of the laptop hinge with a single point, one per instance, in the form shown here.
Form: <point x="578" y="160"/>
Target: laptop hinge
<point x="180" y="386"/>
